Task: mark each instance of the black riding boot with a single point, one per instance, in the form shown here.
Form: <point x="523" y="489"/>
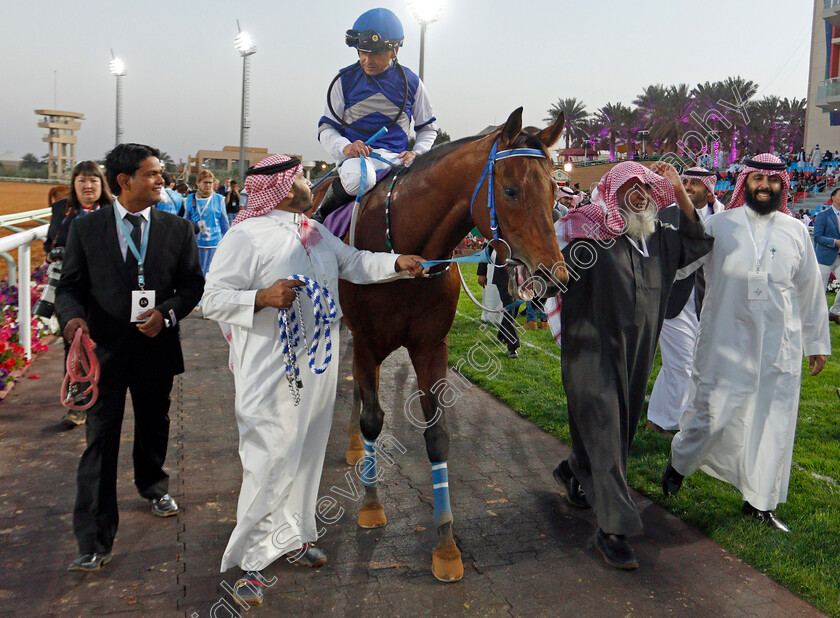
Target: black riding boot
<point x="335" y="198"/>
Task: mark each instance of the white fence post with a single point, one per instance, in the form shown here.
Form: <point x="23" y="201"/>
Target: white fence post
<point x="25" y="300"/>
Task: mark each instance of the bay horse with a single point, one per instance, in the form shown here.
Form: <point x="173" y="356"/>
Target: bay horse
<point x="430" y="210"/>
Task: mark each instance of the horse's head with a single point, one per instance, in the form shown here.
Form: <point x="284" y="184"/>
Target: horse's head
<point x="524" y="198"/>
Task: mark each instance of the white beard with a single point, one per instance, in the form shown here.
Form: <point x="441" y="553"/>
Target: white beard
<point x="640" y="225"/>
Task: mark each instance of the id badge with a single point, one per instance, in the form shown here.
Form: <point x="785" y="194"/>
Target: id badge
<point x="202" y="227"/>
<point x="757" y="287"/>
<point x="141" y="300"/>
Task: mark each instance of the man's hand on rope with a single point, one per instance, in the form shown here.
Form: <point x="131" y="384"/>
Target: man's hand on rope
<point x="356" y="149"/>
<point x="280" y="295"/>
<point x="411" y="263"/>
<point x="72" y="326"/>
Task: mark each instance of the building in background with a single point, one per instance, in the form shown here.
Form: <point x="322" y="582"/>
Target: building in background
<point x="822" y="115"/>
<point x="224" y="160"/>
<point x="62" y="140"/>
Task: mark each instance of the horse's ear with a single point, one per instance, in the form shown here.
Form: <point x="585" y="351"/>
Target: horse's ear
<point x="551" y="134"/>
<point x="511" y="129"/>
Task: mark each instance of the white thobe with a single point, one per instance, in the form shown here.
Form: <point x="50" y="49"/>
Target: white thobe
<point x="744" y="399"/>
<point x="669" y="397"/>
<point x="281" y="446"/>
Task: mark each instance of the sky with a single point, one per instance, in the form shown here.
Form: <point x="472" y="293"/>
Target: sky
<point x="484" y="58"/>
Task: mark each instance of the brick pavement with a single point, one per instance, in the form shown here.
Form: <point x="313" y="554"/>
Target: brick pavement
<point x="525" y="552"/>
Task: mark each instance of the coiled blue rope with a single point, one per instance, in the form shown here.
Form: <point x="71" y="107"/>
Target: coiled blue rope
<point x="291" y="330"/>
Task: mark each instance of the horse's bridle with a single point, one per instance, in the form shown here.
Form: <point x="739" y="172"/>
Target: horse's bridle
<point x="490" y="172"/>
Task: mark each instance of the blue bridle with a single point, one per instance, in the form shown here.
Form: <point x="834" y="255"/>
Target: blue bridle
<point x="490" y="172"/>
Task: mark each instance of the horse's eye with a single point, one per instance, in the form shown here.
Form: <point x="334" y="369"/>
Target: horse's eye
<point x="512" y="193"/>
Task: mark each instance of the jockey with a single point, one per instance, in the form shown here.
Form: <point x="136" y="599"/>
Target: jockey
<point x="372" y="93"/>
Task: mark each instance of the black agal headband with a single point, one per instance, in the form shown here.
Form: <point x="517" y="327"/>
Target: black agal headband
<point x="270" y="170"/>
<point x="701" y="173"/>
<point x="766" y="165"/>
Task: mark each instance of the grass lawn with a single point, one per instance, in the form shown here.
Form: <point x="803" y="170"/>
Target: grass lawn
<point x="807" y="561"/>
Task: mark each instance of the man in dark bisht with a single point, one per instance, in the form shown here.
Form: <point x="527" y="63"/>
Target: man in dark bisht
<point x="622" y="261"/>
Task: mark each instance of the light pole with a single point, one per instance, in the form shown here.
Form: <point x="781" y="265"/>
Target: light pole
<point x="644" y="134"/>
<point x="245" y="46"/>
<point x="117" y="68"/>
<point x="425" y="12"/>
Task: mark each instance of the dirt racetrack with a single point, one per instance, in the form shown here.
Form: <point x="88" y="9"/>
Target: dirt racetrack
<point x="20" y="197"/>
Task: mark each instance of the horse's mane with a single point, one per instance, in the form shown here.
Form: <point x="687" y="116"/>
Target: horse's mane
<point x="527" y="138"/>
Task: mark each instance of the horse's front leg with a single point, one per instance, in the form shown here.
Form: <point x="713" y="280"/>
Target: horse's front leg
<point x="355" y="451"/>
<point x="366" y="373"/>
<point x="430" y="366"/>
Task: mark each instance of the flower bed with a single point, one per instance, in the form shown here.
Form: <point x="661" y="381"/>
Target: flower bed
<point x="12" y="359"/>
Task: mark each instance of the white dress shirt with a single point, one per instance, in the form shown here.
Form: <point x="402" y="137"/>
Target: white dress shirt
<point x="145" y="213"/>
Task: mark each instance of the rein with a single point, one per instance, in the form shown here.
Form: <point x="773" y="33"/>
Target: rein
<point x="82" y="366"/>
<point x="292" y="329"/>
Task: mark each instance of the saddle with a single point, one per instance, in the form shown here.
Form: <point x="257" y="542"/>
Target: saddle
<point x="338" y="221"/>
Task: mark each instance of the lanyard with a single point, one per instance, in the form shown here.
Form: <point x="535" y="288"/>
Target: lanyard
<point x="643" y="249"/>
<point x="198" y="208"/>
<point x="129" y="241"/>
<point x="759" y="253"/>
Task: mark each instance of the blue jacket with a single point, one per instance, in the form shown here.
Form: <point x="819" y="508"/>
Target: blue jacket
<point x="173" y="204"/>
<point x="826" y="231"/>
<point x="214" y="217"/>
<point x="371" y="102"/>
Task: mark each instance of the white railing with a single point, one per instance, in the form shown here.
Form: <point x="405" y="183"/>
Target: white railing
<point x="21" y="242"/>
<point x="8" y="222"/>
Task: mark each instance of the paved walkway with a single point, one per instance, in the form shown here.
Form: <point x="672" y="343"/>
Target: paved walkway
<point x="525" y="551"/>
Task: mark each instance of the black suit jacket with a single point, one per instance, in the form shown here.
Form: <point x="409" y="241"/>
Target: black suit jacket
<point x="96" y="285"/>
<point x="681" y="290"/>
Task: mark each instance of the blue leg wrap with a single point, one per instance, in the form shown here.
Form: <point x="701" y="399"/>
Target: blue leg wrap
<point x="369" y="466"/>
<point x="440" y="483"/>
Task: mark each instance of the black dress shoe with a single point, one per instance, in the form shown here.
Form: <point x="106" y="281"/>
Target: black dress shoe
<point x="574" y="492"/>
<point x="165" y="506"/>
<point x="616" y="551"/>
<point x="671" y="480"/>
<point x="249" y="589"/>
<point x="89" y="562"/>
<point x="767" y="517"/>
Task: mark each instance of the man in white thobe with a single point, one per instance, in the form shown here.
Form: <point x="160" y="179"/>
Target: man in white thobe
<point x="679" y="330"/>
<point x="764" y="305"/>
<point x="281" y="443"/>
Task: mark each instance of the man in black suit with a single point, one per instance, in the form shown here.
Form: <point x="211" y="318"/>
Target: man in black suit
<point x="114" y="257"/>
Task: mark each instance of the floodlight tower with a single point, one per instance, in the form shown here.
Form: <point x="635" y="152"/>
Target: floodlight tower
<point x="117" y="68"/>
<point x="425" y="12"/>
<point x="245" y="46"/>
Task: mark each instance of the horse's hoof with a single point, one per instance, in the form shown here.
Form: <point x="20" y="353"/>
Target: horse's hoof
<point x="372" y="516"/>
<point x="355" y="451"/>
<point x="446" y="563"/>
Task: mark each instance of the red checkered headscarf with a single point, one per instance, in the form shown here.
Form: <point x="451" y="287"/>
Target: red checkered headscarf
<point x="703" y="175"/>
<point x="266" y="191"/>
<point x="754" y="165"/>
<point x="601" y="218"/>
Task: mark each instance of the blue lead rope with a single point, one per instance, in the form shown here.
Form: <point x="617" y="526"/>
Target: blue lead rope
<point x="291" y="330"/>
<point x="482" y="257"/>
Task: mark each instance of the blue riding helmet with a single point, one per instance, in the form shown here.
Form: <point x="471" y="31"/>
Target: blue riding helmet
<point x="376" y="31"/>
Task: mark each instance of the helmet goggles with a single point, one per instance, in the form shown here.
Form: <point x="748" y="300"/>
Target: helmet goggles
<point x="370" y="41"/>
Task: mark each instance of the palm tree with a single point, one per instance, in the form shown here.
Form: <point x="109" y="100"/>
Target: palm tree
<point x="671" y="125"/>
<point x="739" y="89"/>
<point x="651" y="104"/>
<point x="168" y="163"/>
<point x="629" y="119"/>
<point x="793" y="113"/>
<point x="612" y="117"/>
<point x="592" y="130"/>
<point x="576" y="117"/>
<point x="766" y="122"/>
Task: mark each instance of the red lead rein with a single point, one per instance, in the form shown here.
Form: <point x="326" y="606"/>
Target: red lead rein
<point x="81" y="358"/>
